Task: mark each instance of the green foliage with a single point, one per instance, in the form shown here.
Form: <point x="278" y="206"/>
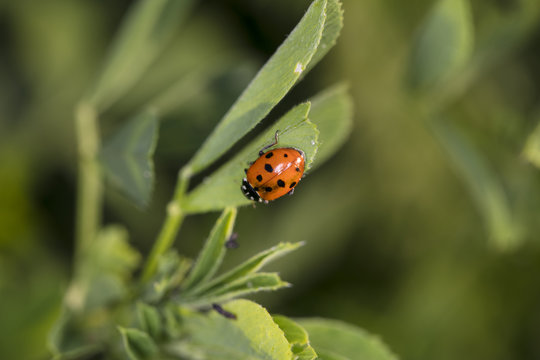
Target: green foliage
<point x="138" y="344"/>
<point x="211" y="255"/>
<point x="531" y="151"/>
<point x="388" y="214"/>
<point x="246" y="269"/>
<point x="149" y="320"/>
<point x="167" y="313"/>
<point x="253" y="335"/>
<point x="335" y="340"/>
<point x="146" y="30"/>
<point x="505" y="232"/>
<point x="297" y="337"/>
<point x="444" y="44"/>
<point x="127" y="157"/>
<point x="270" y="85"/>
<point x="331" y="112"/>
<point x="438" y="63"/>
<point x="332" y="28"/>
<point x="222" y="188"/>
<point x="105" y="275"/>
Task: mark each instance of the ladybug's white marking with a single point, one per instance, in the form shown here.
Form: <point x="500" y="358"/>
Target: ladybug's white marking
<point x="244" y="187"/>
<point x="299" y="68"/>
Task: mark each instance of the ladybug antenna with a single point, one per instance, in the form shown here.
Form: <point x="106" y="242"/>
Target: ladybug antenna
<point x="276" y="139"/>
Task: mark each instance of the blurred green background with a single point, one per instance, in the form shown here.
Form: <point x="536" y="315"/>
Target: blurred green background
<point x="397" y="239"/>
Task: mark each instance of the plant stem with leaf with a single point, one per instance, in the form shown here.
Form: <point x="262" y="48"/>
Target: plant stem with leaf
<point x="171" y="225"/>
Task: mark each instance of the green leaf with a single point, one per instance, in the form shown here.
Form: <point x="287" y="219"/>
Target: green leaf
<point x="106" y="272"/>
<point x="171" y="271"/>
<point x="149" y="320"/>
<point x="331" y="31"/>
<point x="483" y="184"/>
<point x="531" y="151"/>
<point x="253" y="335"/>
<point x="268" y="87"/>
<point x="213" y="251"/>
<point x="331" y="112"/>
<point x="149" y="25"/>
<point x="127" y="157"/>
<point x="249" y="284"/>
<point x="297" y="336"/>
<point x="333" y="339"/>
<point x="66" y="339"/>
<point x="250" y="266"/>
<point x="444" y="44"/>
<point x="222" y="188"/>
<point x="137" y="344"/>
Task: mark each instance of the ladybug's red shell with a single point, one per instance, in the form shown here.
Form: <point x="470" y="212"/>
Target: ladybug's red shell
<point x="274" y="174"/>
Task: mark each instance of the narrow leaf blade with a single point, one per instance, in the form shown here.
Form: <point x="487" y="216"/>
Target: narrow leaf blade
<point x="334" y="339"/>
<point x="222" y="188"/>
<point x="331" y="31"/>
<point x="137" y="344"/>
<point x="249" y="284"/>
<point x="250" y="266"/>
<point x="149" y="320"/>
<point x="127" y="157"/>
<point x="213" y="251"/>
<point x="268" y="87"/>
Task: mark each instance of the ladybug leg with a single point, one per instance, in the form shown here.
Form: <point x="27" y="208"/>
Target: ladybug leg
<point x="245" y="170"/>
<point x="291" y="192"/>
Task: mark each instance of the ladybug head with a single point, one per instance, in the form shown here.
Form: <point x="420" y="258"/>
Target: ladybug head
<point x="249" y="192"/>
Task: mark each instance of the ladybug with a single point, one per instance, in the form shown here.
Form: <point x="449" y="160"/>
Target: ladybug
<point x="274" y="174"/>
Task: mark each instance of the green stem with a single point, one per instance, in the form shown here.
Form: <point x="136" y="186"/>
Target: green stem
<point x="90" y="187"/>
<point x="89" y="197"/>
<point x="169" y="230"/>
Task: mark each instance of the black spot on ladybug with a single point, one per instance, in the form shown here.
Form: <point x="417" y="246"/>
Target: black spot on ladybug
<point x="268" y="168"/>
<point x="269" y="155"/>
<point x="285" y="155"/>
<point x="256" y="188"/>
<point x="267" y="189"/>
<point x="259" y="177"/>
<point x="281" y="183"/>
<point x="298" y="169"/>
<point x="292" y="184"/>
